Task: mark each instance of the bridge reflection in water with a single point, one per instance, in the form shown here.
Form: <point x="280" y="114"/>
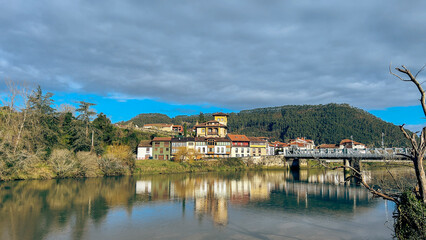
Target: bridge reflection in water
<point x="294" y="191"/>
<point x="254" y="202"/>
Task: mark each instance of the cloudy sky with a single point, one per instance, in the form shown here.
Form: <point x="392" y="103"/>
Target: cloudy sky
<point x="180" y="57"/>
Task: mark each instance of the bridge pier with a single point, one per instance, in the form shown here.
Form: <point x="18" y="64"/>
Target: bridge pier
<point x="297" y="163"/>
<point x="346" y="162"/>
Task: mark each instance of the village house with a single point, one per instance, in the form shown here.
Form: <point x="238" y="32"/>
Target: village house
<point x="201" y="146"/>
<point x="240" y="145"/>
<point x="302" y="143"/>
<point x="214" y="128"/>
<point x="222" y="147"/>
<point x="144" y="150"/>
<point x="347" y="143"/>
<point x="280" y="148"/>
<point x="182" y="142"/>
<point x="328" y="146"/>
<point x="177" y="128"/>
<point x="159" y="126"/>
<point x="161" y="148"/>
<point x="258" y="146"/>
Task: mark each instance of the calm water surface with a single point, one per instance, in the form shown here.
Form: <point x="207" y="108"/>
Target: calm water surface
<point x="250" y="205"/>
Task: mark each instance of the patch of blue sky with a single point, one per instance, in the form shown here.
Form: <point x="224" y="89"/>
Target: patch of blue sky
<point x="124" y="109"/>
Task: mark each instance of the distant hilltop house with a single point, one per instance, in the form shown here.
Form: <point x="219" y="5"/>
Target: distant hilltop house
<point x="164" y="127"/>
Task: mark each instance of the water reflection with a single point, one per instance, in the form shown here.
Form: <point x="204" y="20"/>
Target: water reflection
<point x="44" y="209"/>
<point x="211" y="193"/>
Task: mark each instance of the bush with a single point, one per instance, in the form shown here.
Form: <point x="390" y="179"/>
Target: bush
<point x="63" y="163"/>
<point x="410" y="222"/>
<point x="112" y="166"/>
<point x="88" y="165"/>
<point x="122" y="153"/>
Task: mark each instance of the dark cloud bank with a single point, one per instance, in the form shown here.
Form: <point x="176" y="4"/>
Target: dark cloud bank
<point x="235" y="54"/>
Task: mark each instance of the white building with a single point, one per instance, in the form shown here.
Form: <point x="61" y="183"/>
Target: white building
<point x="144" y="150"/>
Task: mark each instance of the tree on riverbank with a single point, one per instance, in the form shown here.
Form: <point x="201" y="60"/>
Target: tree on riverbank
<point x="37" y="140"/>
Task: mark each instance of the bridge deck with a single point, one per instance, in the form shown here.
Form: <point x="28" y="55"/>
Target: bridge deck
<point x="374" y="153"/>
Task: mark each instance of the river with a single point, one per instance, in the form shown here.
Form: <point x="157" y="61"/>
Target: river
<point x="303" y="204"/>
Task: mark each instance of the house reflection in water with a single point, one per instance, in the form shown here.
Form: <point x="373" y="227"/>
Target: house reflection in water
<point x="211" y="194"/>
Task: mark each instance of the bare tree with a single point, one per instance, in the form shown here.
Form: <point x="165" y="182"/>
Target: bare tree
<point x="418" y="145"/>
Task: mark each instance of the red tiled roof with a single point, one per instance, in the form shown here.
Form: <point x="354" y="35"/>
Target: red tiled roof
<point x="162" y="139"/>
<point x="257" y="139"/>
<point x="349" y="141"/>
<point x="328" y="146"/>
<point x="238" y="138"/>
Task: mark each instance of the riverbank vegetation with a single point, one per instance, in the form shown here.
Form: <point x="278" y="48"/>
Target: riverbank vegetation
<point x="39" y="141"/>
<point x="162" y="167"/>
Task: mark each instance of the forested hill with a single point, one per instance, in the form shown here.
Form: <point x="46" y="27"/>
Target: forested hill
<point x="323" y="123"/>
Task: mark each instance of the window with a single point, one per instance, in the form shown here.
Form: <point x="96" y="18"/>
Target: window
<point x="254" y="150"/>
<point x="166" y="144"/>
<point x="236" y="150"/>
<point x="167" y="149"/>
<point x="147" y="149"/>
<point x="157" y="144"/>
<point x="161" y="150"/>
<point x="202" y="130"/>
<point x="248" y="150"/>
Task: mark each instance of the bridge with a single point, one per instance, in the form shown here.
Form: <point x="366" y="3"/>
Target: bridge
<point x="348" y="153"/>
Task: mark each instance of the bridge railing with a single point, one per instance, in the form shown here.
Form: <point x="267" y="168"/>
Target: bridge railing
<point x="382" y="153"/>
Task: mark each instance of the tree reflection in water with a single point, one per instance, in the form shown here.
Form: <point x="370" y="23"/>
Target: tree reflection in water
<point x="37" y="209"/>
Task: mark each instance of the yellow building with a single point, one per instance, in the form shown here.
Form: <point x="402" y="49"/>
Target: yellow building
<point x="211" y="129"/>
<point x="214" y="128"/>
<point x="222" y="118"/>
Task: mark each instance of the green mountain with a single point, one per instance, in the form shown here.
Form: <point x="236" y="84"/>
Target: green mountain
<point x="323" y="123"/>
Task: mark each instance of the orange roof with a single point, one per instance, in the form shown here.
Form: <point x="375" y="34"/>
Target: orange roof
<point x="349" y="141"/>
<point x="281" y="144"/>
<point x="238" y="138"/>
<point x="328" y="146"/>
<point x="162" y="139"/>
<point x="257" y="139"/>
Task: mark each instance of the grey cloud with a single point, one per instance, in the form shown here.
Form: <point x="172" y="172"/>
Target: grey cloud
<point x="235" y="54"/>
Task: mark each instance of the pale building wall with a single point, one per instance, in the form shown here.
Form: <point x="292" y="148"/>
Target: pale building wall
<point x="143" y="152"/>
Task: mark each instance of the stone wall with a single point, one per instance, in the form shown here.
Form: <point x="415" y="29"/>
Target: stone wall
<point x="267" y="161"/>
